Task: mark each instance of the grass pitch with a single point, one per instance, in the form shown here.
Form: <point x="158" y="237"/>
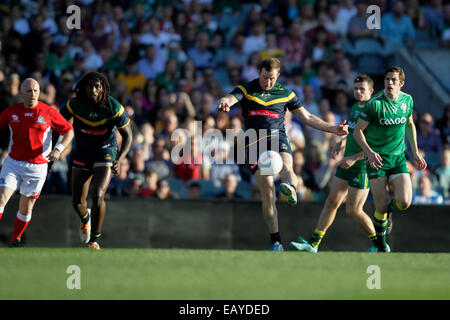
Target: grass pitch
<point x="176" y="274"/>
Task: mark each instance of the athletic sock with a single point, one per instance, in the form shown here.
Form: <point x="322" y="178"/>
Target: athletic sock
<point x="85" y="218"/>
<point x="275" y="237"/>
<point x="95" y="236"/>
<point x="316" y="238"/>
<point x="20" y="224"/>
<point x="373" y="238"/>
<point x="380" y="223"/>
<point x="393" y="206"/>
<point x="1" y="212"/>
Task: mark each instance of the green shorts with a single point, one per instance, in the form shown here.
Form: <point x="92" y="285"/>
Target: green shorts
<point x="391" y="165"/>
<point x="356" y="178"/>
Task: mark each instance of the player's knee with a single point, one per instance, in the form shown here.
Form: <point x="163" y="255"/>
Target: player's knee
<point x="98" y="197"/>
<point x="403" y="204"/>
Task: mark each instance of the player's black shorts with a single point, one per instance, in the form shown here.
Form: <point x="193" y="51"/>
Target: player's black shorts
<point x="89" y="159"/>
<point x="275" y="140"/>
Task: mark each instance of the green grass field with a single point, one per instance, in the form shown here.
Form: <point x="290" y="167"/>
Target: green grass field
<point x="154" y="274"/>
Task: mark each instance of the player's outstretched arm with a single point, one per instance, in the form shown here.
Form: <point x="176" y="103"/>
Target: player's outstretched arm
<point x="226" y="103"/>
<point x="127" y="139"/>
<point x="315" y="122"/>
<point x="374" y="159"/>
<point x="411" y="135"/>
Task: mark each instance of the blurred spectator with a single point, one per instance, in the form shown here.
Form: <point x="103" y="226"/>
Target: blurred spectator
<point x="159" y="161"/>
<point x="346" y="10"/>
<point x="120" y="185"/>
<point x="163" y="192"/>
<point x="168" y="77"/>
<point x="295" y="82"/>
<point x="444" y="127"/>
<point x="222" y="164"/>
<point x="250" y="69"/>
<point x="230" y="184"/>
<point x="425" y="195"/>
<point x="271" y="50"/>
<point x="9" y="94"/>
<point x="294" y="132"/>
<point x="135" y="187"/>
<point x="132" y="77"/>
<point x="397" y="28"/>
<point x="137" y="164"/>
<point x="150" y="185"/>
<point x="444" y="28"/>
<point x="92" y="58"/>
<point x="434" y="14"/>
<point x="195" y="190"/>
<point x="341" y="106"/>
<point x="152" y="63"/>
<point x="357" y="25"/>
<point x="443" y="174"/>
<point x="235" y="55"/>
<point x="59" y="59"/>
<point x="193" y="168"/>
<point x="336" y="24"/>
<point x="200" y="53"/>
<point x="429" y="140"/>
<point x="415" y="13"/>
<point x="256" y="40"/>
<point x="293" y="46"/>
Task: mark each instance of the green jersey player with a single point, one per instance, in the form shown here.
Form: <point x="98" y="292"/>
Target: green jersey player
<point x="380" y="132"/>
<point x="350" y="179"/>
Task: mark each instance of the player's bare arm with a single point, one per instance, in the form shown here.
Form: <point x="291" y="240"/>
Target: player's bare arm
<point x="127" y="139"/>
<point x="315" y="122"/>
<point x="55" y="154"/>
<point x="338" y="148"/>
<point x="226" y="103"/>
<point x="411" y="135"/>
<point x="374" y="159"/>
<point x="349" y="161"/>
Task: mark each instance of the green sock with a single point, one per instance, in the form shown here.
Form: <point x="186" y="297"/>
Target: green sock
<point x="392" y="206"/>
<point x="380" y="223"/>
<point x="373" y="238"/>
<point x="316" y="238"/>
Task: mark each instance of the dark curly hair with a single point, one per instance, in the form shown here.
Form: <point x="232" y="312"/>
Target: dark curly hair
<point x="80" y="88"/>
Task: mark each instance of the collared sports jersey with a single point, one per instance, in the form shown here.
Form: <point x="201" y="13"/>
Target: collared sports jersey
<point x="387" y="119"/>
<point x="95" y="124"/>
<point x="351" y="147"/>
<point x="31" y="131"/>
<point x="265" y="109"/>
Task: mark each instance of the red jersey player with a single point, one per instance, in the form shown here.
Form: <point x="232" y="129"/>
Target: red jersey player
<point x="30" y="123"/>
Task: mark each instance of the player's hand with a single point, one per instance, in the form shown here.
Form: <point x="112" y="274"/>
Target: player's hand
<point x="223" y="106"/>
<point x="374" y="160"/>
<point x="115" y="168"/>
<point x="346" y="162"/>
<point x="54" y="155"/>
<point x="342" y="128"/>
<point x="420" y="162"/>
<point x="337" y="148"/>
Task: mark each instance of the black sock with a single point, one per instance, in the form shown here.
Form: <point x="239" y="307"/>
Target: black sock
<point x="275" y="237"/>
<point x="85" y="218"/>
<point x="95" y="236"/>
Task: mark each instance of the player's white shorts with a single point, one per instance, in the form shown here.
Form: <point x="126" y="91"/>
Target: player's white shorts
<point x="28" y="178"/>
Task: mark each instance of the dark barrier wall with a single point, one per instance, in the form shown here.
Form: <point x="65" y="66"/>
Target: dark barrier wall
<point x="217" y="224"/>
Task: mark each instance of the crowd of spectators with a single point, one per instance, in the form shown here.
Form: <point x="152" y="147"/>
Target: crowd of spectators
<point x="169" y="61"/>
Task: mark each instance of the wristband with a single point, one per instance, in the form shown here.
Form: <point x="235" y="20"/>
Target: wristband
<point x="60" y="147"/>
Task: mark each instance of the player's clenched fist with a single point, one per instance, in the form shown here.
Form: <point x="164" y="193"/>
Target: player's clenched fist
<point x="225" y="103"/>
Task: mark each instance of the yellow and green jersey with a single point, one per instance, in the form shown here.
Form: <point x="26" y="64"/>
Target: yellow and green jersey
<point x="387" y="119"/>
<point x="263" y="109"/>
<point x="94" y="125"/>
